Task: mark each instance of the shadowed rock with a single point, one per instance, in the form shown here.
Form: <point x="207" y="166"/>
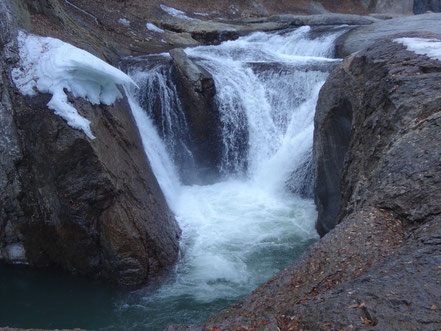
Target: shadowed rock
<point x="197" y="91"/>
<point x="91" y="207"/>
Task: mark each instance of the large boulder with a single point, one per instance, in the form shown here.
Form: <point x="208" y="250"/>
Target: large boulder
<point x="91" y="207"/>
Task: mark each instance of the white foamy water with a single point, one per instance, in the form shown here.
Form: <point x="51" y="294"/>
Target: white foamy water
<point x="240" y="231"/>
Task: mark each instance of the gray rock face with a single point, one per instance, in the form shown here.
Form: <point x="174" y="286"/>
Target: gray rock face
<point x="91" y="207"/>
<point x="333" y="124"/>
<point x="392" y="180"/>
<point x="393" y="164"/>
<point x="197" y="91"/>
<point x="379" y="268"/>
<point x="365" y="36"/>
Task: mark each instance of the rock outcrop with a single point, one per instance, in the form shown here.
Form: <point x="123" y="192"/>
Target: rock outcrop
<point x="379" y="268"/>
<point x="91" y="207"/>
<point x="197" y="92"/>
<point x="366" y="35"/>
<point x="331" y="141"/>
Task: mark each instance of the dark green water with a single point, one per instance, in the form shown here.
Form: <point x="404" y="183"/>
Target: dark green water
<point x="42" y="299"/>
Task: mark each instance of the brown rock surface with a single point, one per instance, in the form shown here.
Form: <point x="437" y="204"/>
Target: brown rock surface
<point x="92" y="207"/>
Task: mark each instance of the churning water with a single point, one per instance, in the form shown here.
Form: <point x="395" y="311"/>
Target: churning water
<point x="241" y="230"/>
<point x="259" y="216"/>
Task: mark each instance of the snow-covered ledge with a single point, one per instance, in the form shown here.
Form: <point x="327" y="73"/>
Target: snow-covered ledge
<point x="50" y="65"/>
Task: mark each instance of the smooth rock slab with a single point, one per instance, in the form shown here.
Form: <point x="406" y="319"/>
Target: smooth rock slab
<point x="365" y="36"/>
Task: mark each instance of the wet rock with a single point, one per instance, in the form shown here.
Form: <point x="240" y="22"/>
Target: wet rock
<point x="365" y="36"/>
<point x="197" y="94"/>
<point x="91" y="207"/>
<point x="198" y="77"/>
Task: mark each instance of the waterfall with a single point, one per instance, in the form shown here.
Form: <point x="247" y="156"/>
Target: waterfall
<point x="255" y="220"/>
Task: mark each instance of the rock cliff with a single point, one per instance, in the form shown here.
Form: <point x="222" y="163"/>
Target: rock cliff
<point x="92" y="207"/>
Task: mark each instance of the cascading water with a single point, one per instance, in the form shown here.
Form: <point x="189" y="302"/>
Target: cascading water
<point x="237" y="232"/>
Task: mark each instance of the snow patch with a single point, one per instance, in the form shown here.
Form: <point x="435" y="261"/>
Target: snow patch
<point x="153" y="28"/>
<point x="423" y="46"/>
<point x="200" y="14"/>
<point x="124" y="21"/>
<point x="176" y="12"/>
<point x="50" y="65"/>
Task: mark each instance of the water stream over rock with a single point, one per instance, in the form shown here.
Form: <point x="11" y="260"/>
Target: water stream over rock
<point x="258" y="215"/>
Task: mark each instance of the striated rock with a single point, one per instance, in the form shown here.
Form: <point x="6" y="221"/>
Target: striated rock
<point x="92" y="207"/>
<point x="365" y="36"/>
<point x="379" y="267"/>
<point x="197" y="92"/>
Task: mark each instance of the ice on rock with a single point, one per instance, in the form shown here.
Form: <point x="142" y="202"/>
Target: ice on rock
<point x="124" y="21"/>
<point x="154" y="28"/>
<point x="176" y="13"/>
<point x="50" y="65"/>
<point x="423" y="46"/>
